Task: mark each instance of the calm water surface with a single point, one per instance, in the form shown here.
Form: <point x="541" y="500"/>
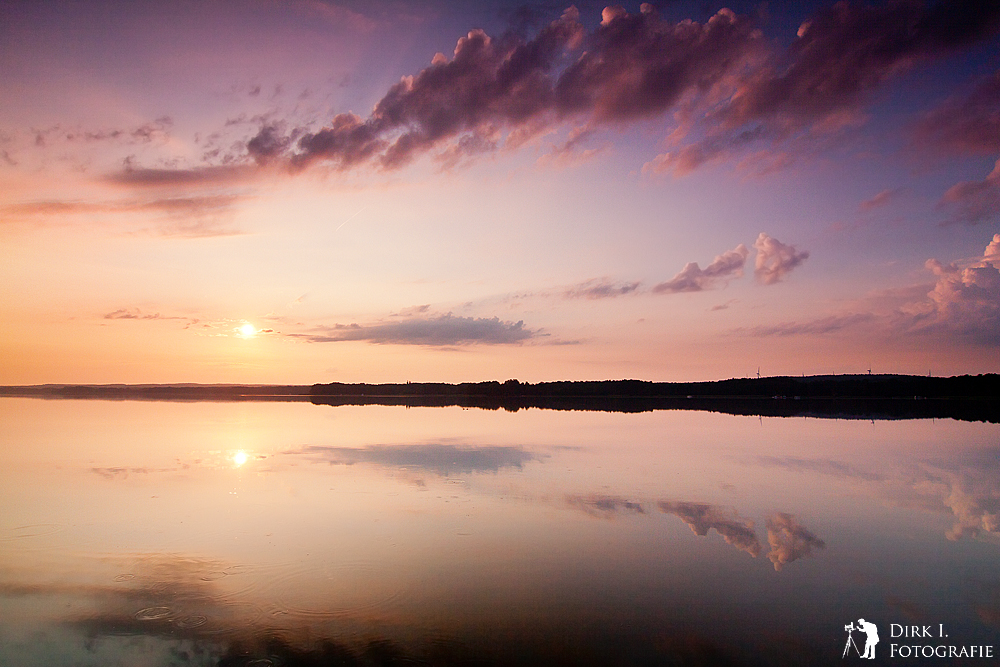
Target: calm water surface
<point x="255" y="534"/>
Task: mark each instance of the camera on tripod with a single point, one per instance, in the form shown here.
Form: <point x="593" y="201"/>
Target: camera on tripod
<point x="850" y="627"/>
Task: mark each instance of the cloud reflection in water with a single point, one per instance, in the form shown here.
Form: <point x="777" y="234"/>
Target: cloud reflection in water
<point x="439" y="459"/>
<point x="702" y="517"/>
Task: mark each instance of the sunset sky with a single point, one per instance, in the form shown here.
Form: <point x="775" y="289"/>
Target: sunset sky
<point x="312" y="191"/>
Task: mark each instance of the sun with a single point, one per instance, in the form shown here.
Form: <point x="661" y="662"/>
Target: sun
<point x="247" y="330"/>
<point x="239" y="458"/>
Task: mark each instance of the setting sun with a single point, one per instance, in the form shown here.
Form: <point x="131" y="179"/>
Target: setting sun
<point x="239" y="458"/>
<point x="247" y="330"/>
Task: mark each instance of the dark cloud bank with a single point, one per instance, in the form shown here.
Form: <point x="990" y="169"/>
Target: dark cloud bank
<point x="721" y="77"/>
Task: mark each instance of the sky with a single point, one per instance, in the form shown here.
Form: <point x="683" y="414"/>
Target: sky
<point x="255" y="191"/>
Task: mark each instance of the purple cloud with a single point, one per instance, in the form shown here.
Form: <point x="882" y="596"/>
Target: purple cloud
<point x="211" y="176"/>
<point x="970" y="126"/>
<point x="693" y="278"/>
<point x="883" y="198"/>
<point x="502" y="91"/>
<point x="819" y="86"/>
<point x="444" y="330"/>
<point x="974" y="202"/>
<point x="600" y="289"/>
<point x="823" y="325"/>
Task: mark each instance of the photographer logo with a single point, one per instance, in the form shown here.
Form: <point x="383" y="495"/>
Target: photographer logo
<point x="870" y="631"/>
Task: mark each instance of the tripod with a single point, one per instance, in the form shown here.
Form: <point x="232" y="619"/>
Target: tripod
<point x="850" y="643"/>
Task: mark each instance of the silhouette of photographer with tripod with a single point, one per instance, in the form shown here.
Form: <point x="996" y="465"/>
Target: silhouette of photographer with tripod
<point x="871" y="633"/>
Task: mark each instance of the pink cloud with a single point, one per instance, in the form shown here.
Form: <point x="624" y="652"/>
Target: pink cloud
<point x="965" y="300"/>
<point x="775" y="259"/>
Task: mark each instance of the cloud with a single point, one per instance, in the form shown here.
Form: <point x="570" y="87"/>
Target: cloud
<point x="963" y="305"/>
<point x="208" y="176"/>
<point x="822" y="466"/>
<point x="604" y="506"/>
<point x="965" y="300"/>
<point x="495" y="92"/>
<point x="789" y="540"/>
<point x="155" y="130"/>
<point x="694" y="279"/>
<point x="435" y="331"/>
<point x="966" y="486"/>
<point x="136" y="314"/>
<point x="878" y="201"/>
<point x="639" y="66"/>
<point x="775" y="259"/>
<point x="440" y="459"/>
<point x="965" y="127"/>
<point x="178" y="205"/>
<point x="718" y="80"/>
<point x="123" y="473"/>
<point x="702" y="517"/>
<point x="268" y="144"/>
<point x="486" y="83"/>
<point x="723" y="306"/>
<point x="600" y="289"/>
<point x="974" y="202"/>
<point x="819" y="86"/>
<point x="845" y="51"/>
<point x="973" y="500"/>
<point x="190" y="217"/>
<point x="823" y="325"/>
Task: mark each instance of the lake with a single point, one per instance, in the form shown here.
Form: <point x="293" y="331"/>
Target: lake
<point x="254" y="534"/>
